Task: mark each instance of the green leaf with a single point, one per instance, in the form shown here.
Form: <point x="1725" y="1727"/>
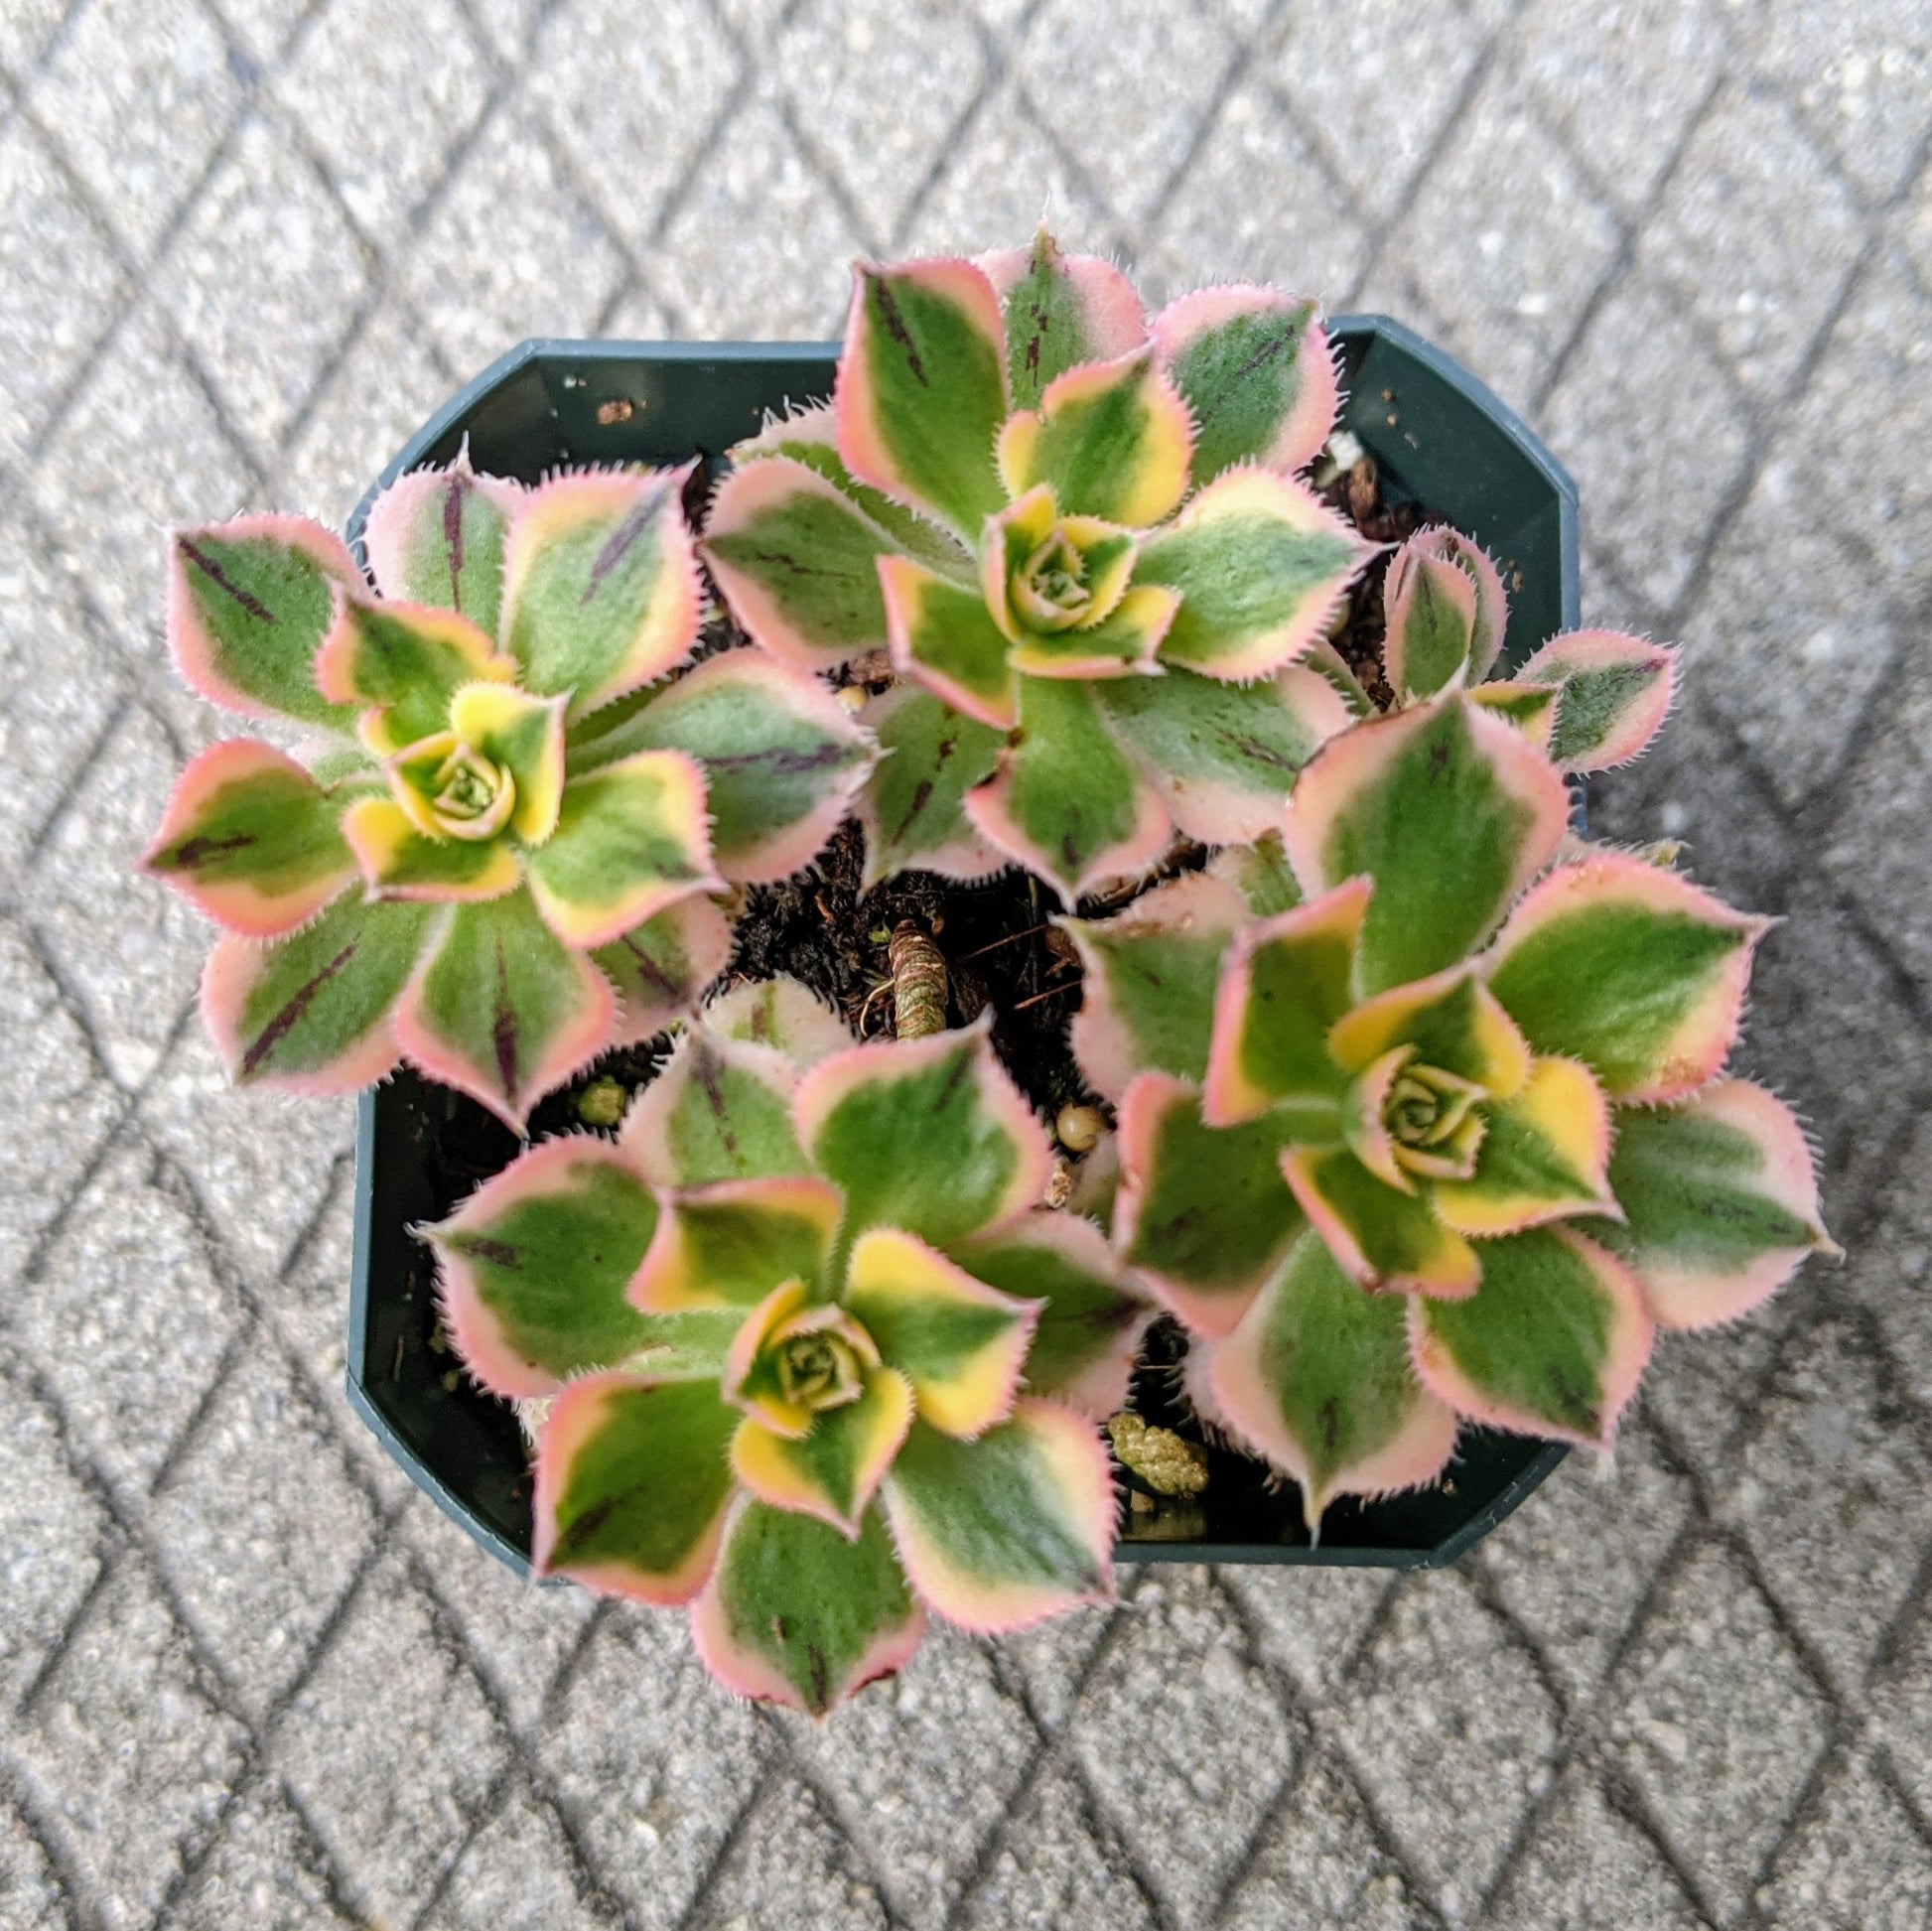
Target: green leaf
<point x="811" y="437"/>
<point x="1223" y="757"/>
<point x="781" y="758"/>
<point x="913" y="805"/>
<point x="601" y="586"/>
<point x="436" y="536"/>
<point x="662" y="966"/>
<point x="525" y="735"/>
<point x="1431" y="619"/>
<point x="928" y="1135"/>
<point x="1067" y="803"/>
<point x="1090" y="1324"/>
<point x="310" y="1013"/>
<point x="1148" y="1002"/>
<point x="1317" y="1379"/>
<point x="253" y="840"/>
<point x="1260" y="874"/>
<point x="1000" y="1532"/>
<point x="407" y="661"/>
<point x="1122" y="644"/>
<point x="1531" y="708"/>
<point x="1327" y="663"/>
<point x="1112" y="439"/>
<point x="944" y="636"/>
<point x="922" y="388"/>
<point x="1255" y="370"/>
<point x="248" y="606"/>
<point x="1285" y="984"/>
<point x="400" y="861"/>
<point x="535" y="1264"/>
<point x="798" y="564"/>
<point x="1204" y="1212"/>
<point x="1720" y="1197"/>
<point x="1261" y="562"/>
<point x="1552" y="1343"/>
<point x="728" y="1244"/>
<point x="780" y="1014"/>
<point x="1380" y="1237"/>
<point x="1615" y="692"/>
<point x="1448" y="810"/>
<point x="797" y="1613"/>
<point x="502" y="1009"/>
<point x="1630" y="968"/>
<point x="631" y="840"/>
<point x="1060" y="311"/>
<point x="959" y="1342"/>
<point x="720" y="1110"/>
<point x="1453" y="1019"/>
<point x="632" y="1479"/>
<point x="833" y="1469"/>
<point x="1542" y="1157"/>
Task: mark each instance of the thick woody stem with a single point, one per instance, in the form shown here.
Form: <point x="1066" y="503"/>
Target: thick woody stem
<point x="918" y="983"/>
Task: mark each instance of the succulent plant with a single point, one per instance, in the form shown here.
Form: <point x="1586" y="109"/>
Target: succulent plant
<point x="1422" y="1110"/>
<point x="1080" y="538"/>
<point x="496" y="861"/>
<point x="811" y="1358"/>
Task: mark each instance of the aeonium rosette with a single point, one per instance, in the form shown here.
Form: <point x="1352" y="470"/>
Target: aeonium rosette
<point x="1445" y="1133"/>
<point x="811" y="1358"/>
<point x="496" y="864"/>
<point x="1080" y="537"/>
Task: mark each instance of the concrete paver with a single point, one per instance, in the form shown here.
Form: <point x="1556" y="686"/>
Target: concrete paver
<point x="248" y="1678"/>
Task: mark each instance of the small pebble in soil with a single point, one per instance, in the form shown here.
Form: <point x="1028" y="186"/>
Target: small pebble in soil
<point x="601" y="1102"/>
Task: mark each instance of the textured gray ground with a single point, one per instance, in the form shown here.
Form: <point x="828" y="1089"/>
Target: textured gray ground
<point x="246" y="1678"/>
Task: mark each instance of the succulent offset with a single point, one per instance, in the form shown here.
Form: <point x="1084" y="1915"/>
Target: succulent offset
<point x="812" y="1358"/>
<point x="495" y="861"/>
<point x="1423" y="1111"/>
<point x="1079" y="535"/>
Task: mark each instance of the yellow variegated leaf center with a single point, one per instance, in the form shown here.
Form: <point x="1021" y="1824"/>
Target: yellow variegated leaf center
<point x="449" y="789"/>
<point x="1050" y="591"/>
<point x="820" y="1369"/>
<point x="1426" y="1107"/>
<point x="1412" y="1119"/>
<point x="472" y="796"/>
<point x="798" y="1358"/>
<point x="1045" y="574"/>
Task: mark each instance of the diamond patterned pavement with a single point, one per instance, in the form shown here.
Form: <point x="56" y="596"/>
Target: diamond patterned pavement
<point x="247" y="1677"/>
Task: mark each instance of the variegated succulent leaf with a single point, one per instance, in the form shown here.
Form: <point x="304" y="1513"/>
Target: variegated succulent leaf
<point x="1613" y="693"/>
<point x="1006" y="497"/>
<point x="1434" y="1126"/>
<point x="1445" y="613"/>
<point x="820" y="1362"/>
<point x="1257" y="374"/>
<point x="436" y="536"/>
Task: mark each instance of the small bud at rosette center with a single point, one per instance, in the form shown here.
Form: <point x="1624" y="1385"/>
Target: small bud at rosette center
<point x="1417" y="1121"/>
<point x="1050" y="591"/>
<point x="449" y="789"/>
<point x="472" y="796"/>
<point x="819" y="1370"/>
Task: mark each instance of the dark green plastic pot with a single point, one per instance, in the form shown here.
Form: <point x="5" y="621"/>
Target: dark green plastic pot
<point x="1439" y="438"/>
